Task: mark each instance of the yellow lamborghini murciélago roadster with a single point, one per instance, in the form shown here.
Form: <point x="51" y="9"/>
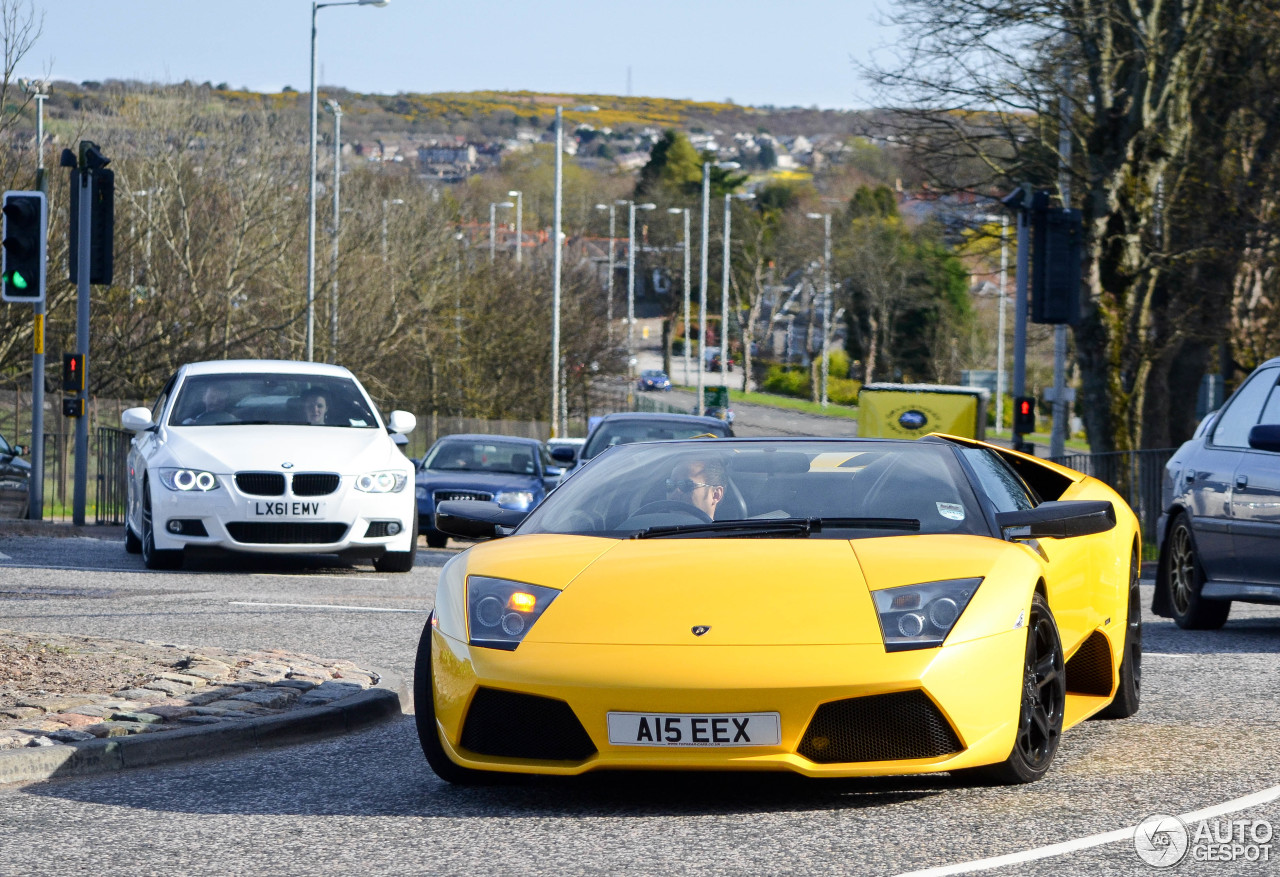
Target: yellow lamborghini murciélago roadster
<point x="832" y="607"/>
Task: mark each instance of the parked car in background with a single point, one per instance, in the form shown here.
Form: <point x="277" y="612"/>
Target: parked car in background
<point x="1219" y="526"/>
<point x="15" y="480"/>
<point x="653" y="379"/>
<point x="268" y="457"/>
<point x="507" y="471"/>
<point x="625" y="427"/>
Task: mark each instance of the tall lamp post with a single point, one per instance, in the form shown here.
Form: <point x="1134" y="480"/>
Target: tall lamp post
<point x="334" y="108"/>
<point x="702" y="274"/>
<point x="493" y="222"/>
<point x="632" y="207"/>
<point x="688" y="282"/>
<point x="311" y="176"/>
<point x="826" y="297"/>
<point x="724" y="289"/>
<point x="609" y="304"/>
<point x="519" y="196"/>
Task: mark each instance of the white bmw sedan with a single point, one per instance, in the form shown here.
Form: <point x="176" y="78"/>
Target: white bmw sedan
<point x="269" y="457"/>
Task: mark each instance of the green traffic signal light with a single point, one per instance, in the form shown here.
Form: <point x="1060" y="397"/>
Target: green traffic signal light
<point x="16" y="280"/>
<point x="23" y="246"/>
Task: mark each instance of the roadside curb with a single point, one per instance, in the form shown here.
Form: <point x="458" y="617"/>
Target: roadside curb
<point x="387" y="700"/>
<point x="60" y="530"/>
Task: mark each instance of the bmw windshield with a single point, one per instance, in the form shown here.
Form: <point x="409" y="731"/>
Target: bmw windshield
<point x="271" y="399"/>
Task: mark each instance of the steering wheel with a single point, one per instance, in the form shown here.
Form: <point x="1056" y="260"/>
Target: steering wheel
<point x="672" y="507"/>
<point x="206" y="418"/>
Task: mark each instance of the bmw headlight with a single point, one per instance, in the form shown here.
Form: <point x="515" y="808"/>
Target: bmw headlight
<point x="188" y="480"/>
<point x="520" y="499"/>
<point x="500" y="612"/>
<point x="381" y="482"/>
<point x="921" y="616"/>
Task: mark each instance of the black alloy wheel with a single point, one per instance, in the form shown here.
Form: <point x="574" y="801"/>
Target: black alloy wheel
<point x="1184" y="577"/>
<point x="1044" y="695"/>
<point x="1128" y="694"/>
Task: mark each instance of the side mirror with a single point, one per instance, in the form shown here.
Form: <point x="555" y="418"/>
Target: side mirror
<point x="136" y="419"/>
<point x="1265" y="437"/>
<point x="401" y="422"/>
<point x="564" y="454"/>
<point x="1058" y="520"/>
<point x="470" y="519"/>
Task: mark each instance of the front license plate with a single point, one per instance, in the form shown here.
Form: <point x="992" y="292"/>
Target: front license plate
<point x="290" y="508"/>
<point x="685" y="729"/>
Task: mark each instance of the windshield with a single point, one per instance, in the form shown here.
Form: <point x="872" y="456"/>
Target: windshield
<point x="648" y="429"/>
<point x="481" y="455"/>
<point x="300" y="400"/>
<point x="727" y="488"/>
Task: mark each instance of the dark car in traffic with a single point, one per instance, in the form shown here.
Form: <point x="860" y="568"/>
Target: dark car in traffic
<point x="507" y="471"/>
<point x="15" y="480"/>
<point x="1219" y="526"/>
<point x="625" y="427"/>
<point x="653" y="379"/>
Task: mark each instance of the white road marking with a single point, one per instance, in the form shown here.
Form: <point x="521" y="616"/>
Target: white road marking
<point x="1146" y="655"/>
<point x="327" y="606"/>
<point x="312" y="575"/>
<point x="1257" y="799"/>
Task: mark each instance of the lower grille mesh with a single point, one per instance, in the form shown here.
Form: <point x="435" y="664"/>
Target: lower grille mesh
<point x="505" y="723"/>
<point x="303" y="533"/>
<point x="882" y="727"/>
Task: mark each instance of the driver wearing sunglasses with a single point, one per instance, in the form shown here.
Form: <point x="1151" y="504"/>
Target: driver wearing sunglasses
<point x="699" y="483"/>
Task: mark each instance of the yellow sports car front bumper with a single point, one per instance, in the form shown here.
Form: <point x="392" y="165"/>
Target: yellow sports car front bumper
<point x="793" y="681"/>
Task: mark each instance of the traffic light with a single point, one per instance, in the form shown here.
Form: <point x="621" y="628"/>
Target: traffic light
<point x="26" y="221"/>
<point x="72" y="372"/>
<point x="1057" y="237"/>
<point x="73" y="407"/>
<point x="1024" y="415"/>
<point x="102" y="219"/>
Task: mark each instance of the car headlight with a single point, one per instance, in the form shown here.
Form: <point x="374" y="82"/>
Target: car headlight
<point x="921" y="616"/>
<point x="500" y="612"/>
<point x="381" y="482"/>
<point x="188" y="480"/>
<point x="518" y="498"/>
<point x="422" y="492"/>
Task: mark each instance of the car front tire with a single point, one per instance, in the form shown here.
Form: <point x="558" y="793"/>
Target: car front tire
<point x="152" y="557"/>
<point x="1044" y="696"/>
<point x="400" y="561"/>
<point x="1183" y="578"/>
<point x="425" y="719"/>
<point x="1129" y="690"/>
<point x="132" y="544"/>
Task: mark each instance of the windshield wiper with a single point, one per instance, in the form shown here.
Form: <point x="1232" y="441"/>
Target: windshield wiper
<point x="764" y="527"/>
<point x="793" y="527"/>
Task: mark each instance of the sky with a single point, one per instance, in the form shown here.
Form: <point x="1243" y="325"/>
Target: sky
<point x="758" y="53"/>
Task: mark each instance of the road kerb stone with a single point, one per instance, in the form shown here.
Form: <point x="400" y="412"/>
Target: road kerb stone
<point x="354" y="712"/>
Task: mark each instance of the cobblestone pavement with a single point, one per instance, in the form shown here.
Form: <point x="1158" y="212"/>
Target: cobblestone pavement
<point x="60" y="689"/>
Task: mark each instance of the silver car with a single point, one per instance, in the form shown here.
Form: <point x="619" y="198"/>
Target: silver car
<point x="1219" y="526"/>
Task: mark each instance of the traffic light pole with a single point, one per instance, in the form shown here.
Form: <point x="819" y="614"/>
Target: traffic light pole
<point x="85" y="235"/>
<point x="35" y="504"/>
<point x="1020" y="307"/>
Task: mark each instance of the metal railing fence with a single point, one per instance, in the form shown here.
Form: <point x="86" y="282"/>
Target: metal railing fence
<point x="1137" y="476"/>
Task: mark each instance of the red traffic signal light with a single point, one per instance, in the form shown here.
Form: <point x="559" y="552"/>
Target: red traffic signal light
<point x="1024" y="415"/>
<point x="72" y="372"/>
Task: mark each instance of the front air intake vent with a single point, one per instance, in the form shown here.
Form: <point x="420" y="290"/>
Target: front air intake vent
<point x="1089" y="670"/>
<point x="881" y="727"/>
<point x="513" y="725"/>
<point x="260" y="483"/>
<point x="315" y="483"/>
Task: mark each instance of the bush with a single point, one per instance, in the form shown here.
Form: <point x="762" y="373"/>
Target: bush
<point x="787" y="382"/>
<point x="842" y="391"/>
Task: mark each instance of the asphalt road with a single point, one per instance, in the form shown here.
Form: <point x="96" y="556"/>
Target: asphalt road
<point x="367" y="803"/>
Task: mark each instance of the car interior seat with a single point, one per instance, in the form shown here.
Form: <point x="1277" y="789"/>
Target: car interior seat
<point x="522" y="463"/>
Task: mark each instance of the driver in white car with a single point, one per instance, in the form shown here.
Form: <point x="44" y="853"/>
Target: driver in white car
<point x="217" y="404"/>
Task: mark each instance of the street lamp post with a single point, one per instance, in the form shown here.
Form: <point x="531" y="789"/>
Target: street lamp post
<point x="702" y="276"/>
<point x="386" y="209"/>
<point x="826" y="297"/>
<point x="555" y="276"/>
<point x="688" y="282"/>
<point x="724" y="291"/>
<point x="493" y="213"/>
<point x="632" y="207"/>
<point x="519" y="196"/>
<point x="311" y="176"/>
<point x="609" y="304"/>
<point x="337" y="201"/>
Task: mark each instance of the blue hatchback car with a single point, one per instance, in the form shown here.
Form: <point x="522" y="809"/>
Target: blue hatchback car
<point x="510" y="472"/>
<point x="1219" y="526"/>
